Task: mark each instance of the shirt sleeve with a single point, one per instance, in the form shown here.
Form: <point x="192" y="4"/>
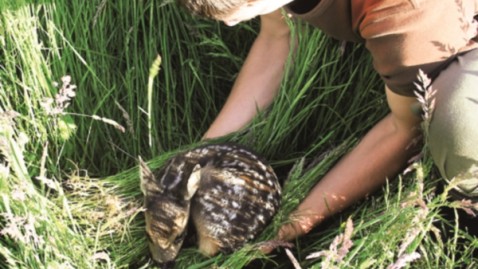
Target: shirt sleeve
<point x="406" y="35"/>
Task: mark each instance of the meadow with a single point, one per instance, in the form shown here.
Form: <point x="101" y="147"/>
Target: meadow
<point x="88" y="86"/>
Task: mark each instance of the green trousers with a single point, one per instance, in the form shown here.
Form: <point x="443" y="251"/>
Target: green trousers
<point x="453" y="130"/>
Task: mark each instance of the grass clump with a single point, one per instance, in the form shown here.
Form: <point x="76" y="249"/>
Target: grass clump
<point x="69" y="184"/>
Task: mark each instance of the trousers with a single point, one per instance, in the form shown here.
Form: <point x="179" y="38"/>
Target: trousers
<point x="453" y="130"/>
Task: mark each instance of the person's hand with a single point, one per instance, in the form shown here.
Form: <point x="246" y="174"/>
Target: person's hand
<point x="294" y="229"/>
<point x="300" y="224"/>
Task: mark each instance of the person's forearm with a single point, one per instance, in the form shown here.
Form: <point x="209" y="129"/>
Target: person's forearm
<point x="257" y="83"/>
<point x="381" y="154"/>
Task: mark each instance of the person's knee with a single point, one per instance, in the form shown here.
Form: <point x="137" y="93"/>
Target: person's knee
<point x="453" y="130"/>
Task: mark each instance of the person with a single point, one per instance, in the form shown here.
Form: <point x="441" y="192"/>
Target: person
<point x="403" y="37"/>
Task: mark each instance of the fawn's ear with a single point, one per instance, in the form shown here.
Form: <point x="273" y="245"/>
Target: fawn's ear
<point x="146" y="176"/>
<point x="193" y="182"/>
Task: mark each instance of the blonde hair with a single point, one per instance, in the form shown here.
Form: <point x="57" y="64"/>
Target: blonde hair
<point x="213" y="9"/>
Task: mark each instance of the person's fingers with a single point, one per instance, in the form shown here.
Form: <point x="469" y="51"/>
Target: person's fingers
<point x="288" y="232"/>
<point x="268" y="246"/>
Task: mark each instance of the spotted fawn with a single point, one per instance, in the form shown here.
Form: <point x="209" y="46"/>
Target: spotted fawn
<point x="230" y="193"/>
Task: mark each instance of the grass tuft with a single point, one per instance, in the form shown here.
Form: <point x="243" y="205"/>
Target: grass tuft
<point x="69" y="183"/>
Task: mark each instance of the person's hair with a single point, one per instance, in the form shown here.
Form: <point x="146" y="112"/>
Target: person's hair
<point x="213" y="9"/>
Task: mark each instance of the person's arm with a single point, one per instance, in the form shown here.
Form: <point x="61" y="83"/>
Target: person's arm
<point x="381" y="154"/>
<point x="259" y="78"/>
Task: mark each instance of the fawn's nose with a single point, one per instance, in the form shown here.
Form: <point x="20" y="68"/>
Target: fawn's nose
<point x="166" y="265"/>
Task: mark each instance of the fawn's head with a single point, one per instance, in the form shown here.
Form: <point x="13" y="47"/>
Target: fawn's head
<point x="167" y="196"/>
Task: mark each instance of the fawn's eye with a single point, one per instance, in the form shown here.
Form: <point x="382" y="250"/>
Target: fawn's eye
<point x="180" y="238"/>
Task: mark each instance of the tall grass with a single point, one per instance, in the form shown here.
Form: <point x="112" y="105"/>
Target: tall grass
<point x="69" y="184"/>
